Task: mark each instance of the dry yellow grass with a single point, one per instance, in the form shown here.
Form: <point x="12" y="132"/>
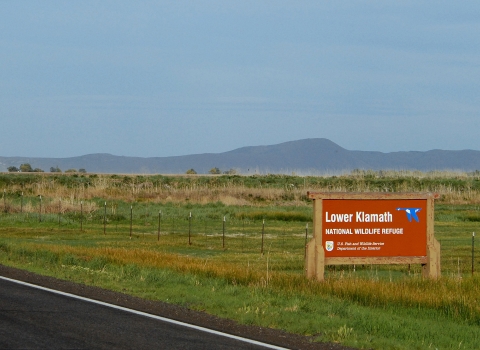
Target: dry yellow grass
<point x="236" y="192"/>
<point x="51" y="206"/>
<point x="455" y="297"/>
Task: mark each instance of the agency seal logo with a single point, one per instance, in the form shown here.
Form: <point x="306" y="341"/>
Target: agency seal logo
<point x="329" y="246"/>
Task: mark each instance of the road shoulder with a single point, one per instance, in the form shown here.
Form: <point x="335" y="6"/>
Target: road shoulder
<point x="175" y="312"/>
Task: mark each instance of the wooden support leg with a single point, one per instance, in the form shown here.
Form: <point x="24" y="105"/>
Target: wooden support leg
<point x="320" y="262"/>
<point x="310" y="260"/>
<point x="432" y="268"/>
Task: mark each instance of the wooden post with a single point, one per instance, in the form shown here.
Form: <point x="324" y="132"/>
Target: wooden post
<point x="190" y="229"/>
<point x="316" y="253"/>
<point x="432" y="268"/>
<point x="205" y="230"/>
<point x="473" y="253"/>
<point x="243" y="234"/>
<point x="40" y="212"/>
<point x="146" y="214"/>
<point x="81" y="216"/>
<point x="59" y="210"/>
<point x="263" y="232"/>
<point x="223" y="233"/>
<point x="131" y="220"/>
<point x="319" y="262"/>
<point x="310" y="260"/>
<point x="159" y="224"/>
<point x="105" y="219"/>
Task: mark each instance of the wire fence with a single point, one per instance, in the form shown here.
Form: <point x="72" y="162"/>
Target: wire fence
<point x="204" y="229"/>
<point x="207" y="230"/>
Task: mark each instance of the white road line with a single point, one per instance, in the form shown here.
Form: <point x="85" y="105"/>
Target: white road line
<point x="202" y="329"/>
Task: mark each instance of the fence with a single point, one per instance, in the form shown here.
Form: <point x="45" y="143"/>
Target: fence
<point x="209" y="229"/>
<point x="212" y="228"/>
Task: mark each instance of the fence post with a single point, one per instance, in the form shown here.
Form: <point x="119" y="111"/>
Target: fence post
<point x="243" y="231"/>
<point x="81" y="216"/>
<point x="473" y="253"/>
<point x="223" y="233"/>
<point x="131" y="219"/>
<point x="263" y="232"/>
<point x="40" y="212"/>
<point x="146" y="214"/>
<point x="205" y="231"/>
<point x="21" y="203"/>
<point x="59" y="210"/>
<point x="105" y="219"/>
<point x="190" y="229"/>
<point x="159" y="224"/>
<point x="5" y="200"/>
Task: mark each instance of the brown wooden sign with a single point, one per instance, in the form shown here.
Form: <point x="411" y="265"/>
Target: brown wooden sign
<point x="372" y="228"/>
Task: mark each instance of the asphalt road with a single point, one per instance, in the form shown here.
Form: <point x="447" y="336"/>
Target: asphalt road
<point x="37" y="319"/>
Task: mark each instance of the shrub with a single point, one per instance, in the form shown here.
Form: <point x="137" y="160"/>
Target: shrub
<point x="26" y="168"/>
<point x="214" y="171"/>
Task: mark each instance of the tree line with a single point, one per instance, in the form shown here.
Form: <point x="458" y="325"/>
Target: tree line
<point x="27" y="168"/>
<point x="214" y="171"/>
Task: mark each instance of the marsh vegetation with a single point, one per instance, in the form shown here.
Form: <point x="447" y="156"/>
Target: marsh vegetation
<point x="165" y="238"/>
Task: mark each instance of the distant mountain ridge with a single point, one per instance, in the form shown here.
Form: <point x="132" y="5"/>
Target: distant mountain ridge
<point x="318" y="155"/>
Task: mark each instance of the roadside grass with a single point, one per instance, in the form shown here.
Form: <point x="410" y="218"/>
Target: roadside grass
<point x="378" y="307"/>
<point x="249" y="267"/>
<point x="324" y="316"/>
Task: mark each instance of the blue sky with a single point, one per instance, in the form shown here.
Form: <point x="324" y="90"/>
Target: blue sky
<point x="164" y="78"/>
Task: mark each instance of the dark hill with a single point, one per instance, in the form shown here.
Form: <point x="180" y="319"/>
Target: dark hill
<point x="303" y="156"/>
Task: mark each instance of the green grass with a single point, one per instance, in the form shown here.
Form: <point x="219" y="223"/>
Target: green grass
<point x="325" y="317"/>
<point x="366" y="306"/>
<point x="359" y="308"/>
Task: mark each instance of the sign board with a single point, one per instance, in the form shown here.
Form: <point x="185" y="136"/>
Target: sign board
<point x="372" y="228"/>
<point x="356" y="227"/>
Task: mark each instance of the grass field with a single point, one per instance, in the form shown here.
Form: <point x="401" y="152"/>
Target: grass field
<point x="249" y="267"/>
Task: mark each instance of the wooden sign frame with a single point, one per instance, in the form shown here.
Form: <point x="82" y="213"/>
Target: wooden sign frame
<point x="316" y="258"/>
